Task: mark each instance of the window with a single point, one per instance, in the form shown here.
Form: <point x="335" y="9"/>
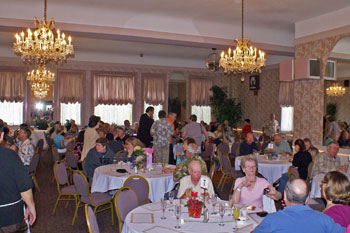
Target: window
<point x="157" y="108"/>
<point x="11" y="112"/>
<point x="287" y="119"/>
<point x="71" y="111"/>
<point x="203" y="113"/>
<point x="116" y="114"/>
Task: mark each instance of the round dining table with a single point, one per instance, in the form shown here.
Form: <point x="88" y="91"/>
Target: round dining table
<point x="315" y="191"/>
<point x="106" y="178"/>
<point x="270" y="169"/>
<point x="147" y="219"/>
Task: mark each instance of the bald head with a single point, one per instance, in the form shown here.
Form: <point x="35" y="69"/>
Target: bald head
<point x="296" y="192"/>
<point x="195" y="170"/>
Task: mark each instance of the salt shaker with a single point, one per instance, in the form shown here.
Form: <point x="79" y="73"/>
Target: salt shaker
<point x="206" y="215"/>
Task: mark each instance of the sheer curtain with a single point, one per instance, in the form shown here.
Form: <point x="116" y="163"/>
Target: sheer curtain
<point x="116" y="114"/>
<point x="11" y="112"/>
<point x="287" y="113"/>
<point x="157" y="108"/>
<point x="203" y="113"/>
<point x="70" y="111"/>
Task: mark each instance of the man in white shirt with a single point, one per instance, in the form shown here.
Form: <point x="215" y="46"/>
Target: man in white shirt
<point x="194" y="181"/>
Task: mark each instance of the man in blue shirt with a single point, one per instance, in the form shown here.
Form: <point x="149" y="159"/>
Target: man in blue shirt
<point x="298" y="217"/>
<point x="248" y="146"/>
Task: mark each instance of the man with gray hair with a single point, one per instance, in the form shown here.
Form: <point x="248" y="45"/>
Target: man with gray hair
<point x="297" y="216"/>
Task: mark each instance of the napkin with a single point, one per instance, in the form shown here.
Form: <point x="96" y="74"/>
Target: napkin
<point x="142" y="218"/>
<point x="159" y="229"/>
<point x="152" y="207"/>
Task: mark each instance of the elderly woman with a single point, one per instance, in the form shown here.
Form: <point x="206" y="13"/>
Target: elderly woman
<point x="130" y="144"/>
<point x="249" y="189"/>
<point x="336" y="190"/>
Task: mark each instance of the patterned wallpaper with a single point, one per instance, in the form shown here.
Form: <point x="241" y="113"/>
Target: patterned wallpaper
<point x="309" y="95"/>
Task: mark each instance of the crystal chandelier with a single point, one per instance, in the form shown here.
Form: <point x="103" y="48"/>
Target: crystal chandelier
<point x="42" y="45"/>
<point x="335" y="90"/>
<point x="40" y="80"/>
<point x="243" y="58"/>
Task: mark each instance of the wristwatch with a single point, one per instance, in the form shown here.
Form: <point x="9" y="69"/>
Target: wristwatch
<point x="238" y="189"/>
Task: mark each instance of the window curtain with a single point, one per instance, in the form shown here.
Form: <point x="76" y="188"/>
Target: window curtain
<point x="12" y="86"/>
<point x="71" y="111"/>
<point x="287" y="114"/>
<point x="203" y="113"/>
<point x="11" y="112"/>
<point x="200" y="91"/>
<point x="113" y="90"/>
<point x="154" y="89"/>
<point x="157" y="108"/>
<point x="70" y="87"/>
<point x="286" y="95"/>
<point x="114" y="114"/>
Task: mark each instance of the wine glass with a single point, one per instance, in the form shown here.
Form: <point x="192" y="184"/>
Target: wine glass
<point x="177" y="215"/>
<point x="222" y="213"/>
<point x="163" y="166"/>
<point x="171" y="199"/>
<point x="230" y="202"/>
<point x="214" y="200"/>
<point x="163" y="205"/>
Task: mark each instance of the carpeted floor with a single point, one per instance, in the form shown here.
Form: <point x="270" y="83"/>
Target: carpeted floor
<point x="61" y="221"/>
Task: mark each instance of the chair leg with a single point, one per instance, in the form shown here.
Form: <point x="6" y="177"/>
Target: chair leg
<point x="222" y="178"/>
<point x="56" y="204"/>
<point x="67" y="202"/>
<point x="35" y="183"/>
<point x="223" y="183"/>
<point x="75" y="212"/>
<point x="112" y="214"/>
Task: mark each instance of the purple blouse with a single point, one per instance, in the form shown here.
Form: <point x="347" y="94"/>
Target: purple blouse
<point x="340" y="214"/>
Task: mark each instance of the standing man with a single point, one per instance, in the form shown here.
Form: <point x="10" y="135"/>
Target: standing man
<point x="16" y="190"/>
<point x="171" y="119"/>
<point x="195" y="130"/>
<point x="145" y="124"/>
<point x="161" y="131"/>
<point x="271" y="127"/>
<point x="25" y="148"/>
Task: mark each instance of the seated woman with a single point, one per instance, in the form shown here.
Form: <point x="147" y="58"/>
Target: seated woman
<point x="58" y="139"/>
<point x="220" y="135"/>
<point x="336" y="189"/>
<point x="310" y="148"/>
<point x="301" y="159"/>
<point x="181" y="157"/>
<point x="130" y="145"/>
<point x="344" y="139"/>
<point x="249" y="189"/>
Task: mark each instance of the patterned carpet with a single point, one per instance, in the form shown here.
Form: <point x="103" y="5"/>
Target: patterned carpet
<point x="61" y="221"/>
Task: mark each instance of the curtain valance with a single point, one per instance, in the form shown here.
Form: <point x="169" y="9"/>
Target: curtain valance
<point x="154" y="89"/>
<point x="286" y="95"/>
<point x="200" y="91"/>
<point x="12" y="86"/>
<point x="71" y="88"/>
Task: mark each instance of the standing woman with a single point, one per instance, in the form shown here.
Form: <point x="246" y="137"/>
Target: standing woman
<point x="90" y="135"/>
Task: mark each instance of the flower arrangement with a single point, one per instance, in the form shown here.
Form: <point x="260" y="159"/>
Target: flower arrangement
<point x="139" y="157"/>
<point x="194" y="206"/>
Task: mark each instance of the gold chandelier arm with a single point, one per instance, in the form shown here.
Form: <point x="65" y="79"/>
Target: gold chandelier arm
<point x="45" y="10"/>
<point x="242" y="19"/>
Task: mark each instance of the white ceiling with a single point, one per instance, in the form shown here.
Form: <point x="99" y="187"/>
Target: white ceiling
<point x="266" y="21"/>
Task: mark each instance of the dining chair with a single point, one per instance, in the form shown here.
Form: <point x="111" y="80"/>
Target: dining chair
<point x="229" y="171"/>
<point x="235" y="149"/>
<point x="124" y="201"/>
<point x="72" y="164"/>
<point x="309" y="173"/>
<point x="39" y="149"/>
<point x="293" y="173"/>
<point x="207" y="154"/>
<point x="34" y="161"/>
<point x="66" y="191"/>
<point x="91" y="220"/>
<point x="140" y="185"/>
<point x="224" y="148"/>
<point x="84" y="196"/>
<point x="212" y="171"/>
<point x="121" y="155"/>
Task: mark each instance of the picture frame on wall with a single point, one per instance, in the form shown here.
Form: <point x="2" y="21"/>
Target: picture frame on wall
<point x="254" y="83"/>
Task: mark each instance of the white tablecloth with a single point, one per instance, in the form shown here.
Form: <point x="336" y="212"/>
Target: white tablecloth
<point x="106" y="178"/>
<point x="41" y="135"/>
<point x="270" y="169"/>
<point x="188" y="224"/>
<point x="315" y="191"/>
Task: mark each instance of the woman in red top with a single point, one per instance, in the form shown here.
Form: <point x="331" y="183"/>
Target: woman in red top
<point x="247" y="127"/>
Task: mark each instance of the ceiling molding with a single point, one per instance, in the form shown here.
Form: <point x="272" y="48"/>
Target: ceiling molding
<point x="323" y="35"/>
<point x="146" y="36"/>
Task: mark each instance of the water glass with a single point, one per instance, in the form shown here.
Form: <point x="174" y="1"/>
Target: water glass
<point x="177" y="215"/>
<point x="171" y="199"/>
<point x="222" y="213"/>
<point x="230" y="201"/>
<point x="214" y="200"/>
<point x="163" y="205"/>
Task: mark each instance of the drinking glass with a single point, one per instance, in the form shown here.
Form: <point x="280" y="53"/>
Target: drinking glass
<point x="163" y="205"/>
<point x="171" y="200"/>
<point x="163" y="166"/>
<point x="236" y="211"/>
<point x="222" y="213"/>
<point x="214" y="200"/>
<point x="230" y="202"/>
<point x="177" y="215"/>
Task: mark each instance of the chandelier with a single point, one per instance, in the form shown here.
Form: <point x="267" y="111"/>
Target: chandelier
<point x="335" y="90"/>
<point x="42" y="45"/>
<point x="40" y="80"/>
<point x="243" y="58"/>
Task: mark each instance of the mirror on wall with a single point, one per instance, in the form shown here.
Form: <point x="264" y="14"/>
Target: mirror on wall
<point x="177" y="95"/>
<point x="341" y="104"/>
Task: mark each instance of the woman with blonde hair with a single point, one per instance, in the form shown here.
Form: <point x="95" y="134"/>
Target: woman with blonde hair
<point x="336" y="190"/>
<point x="131" y="144"/>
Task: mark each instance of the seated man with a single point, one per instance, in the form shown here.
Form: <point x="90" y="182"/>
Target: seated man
<point x="98" y="156"/>
<point x="297" y="216"/>
<point x="280" y="145"/>
<point x="25" y="149"/>
<point x="192" y="155"/>
<point x="121" y="136"/>
<point x="192" y="182"/>
<point x="328" y="161"/>
<point x="248" y="146"/>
